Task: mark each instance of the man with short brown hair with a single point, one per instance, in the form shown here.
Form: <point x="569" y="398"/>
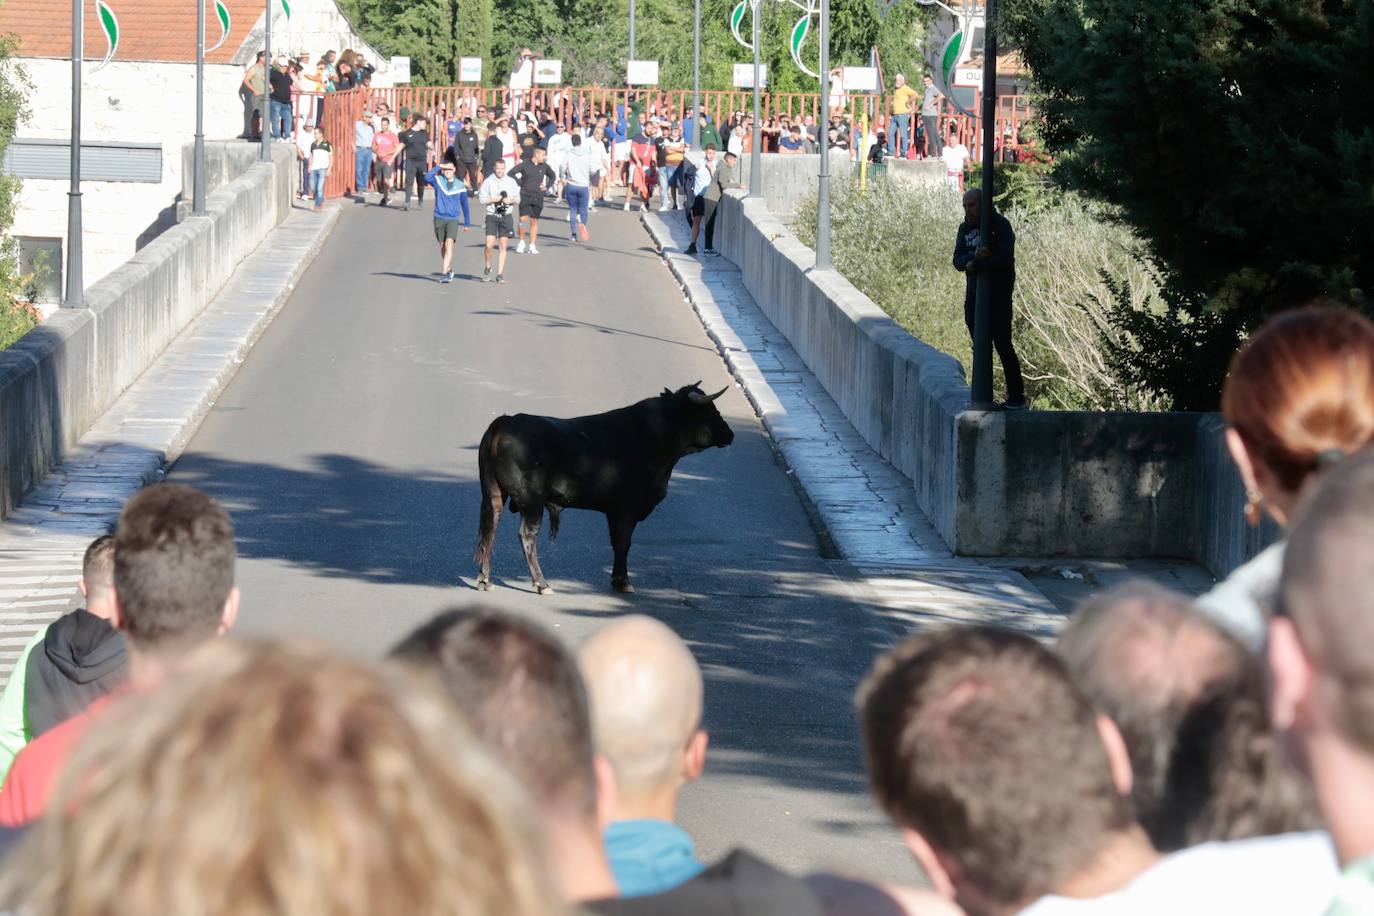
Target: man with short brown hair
<point x="173" y="589"/>
<point x="1010" y="790"/>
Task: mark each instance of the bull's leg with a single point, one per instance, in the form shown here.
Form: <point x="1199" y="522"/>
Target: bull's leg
<point x="622" y="529"/>
<point x="529" y="535"/>
<point x="492" y="505"/>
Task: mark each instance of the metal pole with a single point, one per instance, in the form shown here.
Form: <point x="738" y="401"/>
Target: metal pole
<point x="696" y="77"/>
<point x="76" y="285"/>
<point x="755" y="153"/>
<point x="265" y="154"/>
<point x="982" y="304"/>
<point x="632" y="30"/>
<point x="823" y="194"/>
<point x="198" y="173"/>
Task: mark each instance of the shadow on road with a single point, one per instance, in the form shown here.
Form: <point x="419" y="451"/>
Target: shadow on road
<point x="558" y="321"/>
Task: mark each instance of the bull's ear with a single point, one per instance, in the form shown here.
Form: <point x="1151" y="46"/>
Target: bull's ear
<point x="667" y="393"/>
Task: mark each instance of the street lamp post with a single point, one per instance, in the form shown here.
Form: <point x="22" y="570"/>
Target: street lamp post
<point x="266" y="150"/>
<point x="823" y="192"/>
<point x="981" y="394"/>
<point x="696" y="77"/>
<point x="76" y="287"/>
<point x="632" y="30"/>
<point x="755" y="154"/>
<point x="198" y="170"/>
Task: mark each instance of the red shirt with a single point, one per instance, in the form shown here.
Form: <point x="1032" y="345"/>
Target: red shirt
<point x="38" y="767"/>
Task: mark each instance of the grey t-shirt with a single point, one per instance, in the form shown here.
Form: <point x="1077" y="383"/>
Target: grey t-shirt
<point x="930" y="104"/>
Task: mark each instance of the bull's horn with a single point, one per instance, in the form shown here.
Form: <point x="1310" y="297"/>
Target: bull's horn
<point x="712" y="397"/>
<point x="700" y="398"/>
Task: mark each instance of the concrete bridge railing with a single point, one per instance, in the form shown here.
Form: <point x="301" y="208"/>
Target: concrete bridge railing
<point x="1035" y="484"/>
<point x="57" y="381"/>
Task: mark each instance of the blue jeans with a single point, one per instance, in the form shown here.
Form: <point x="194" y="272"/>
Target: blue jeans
<point x="666" y="175"/>
<point x="317" y="185"/>
<point x="363" y="160"/>
<point x="281" y="120"/>
<point x="577" y="197"/>
<point x="902" y="141"/>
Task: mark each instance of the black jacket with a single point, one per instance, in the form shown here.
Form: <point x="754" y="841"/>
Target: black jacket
<point x="738" y="885"/>
<point x="1001" y="261"/>
<point x="465" y="145"/>
<point x="491" y="151"/>
<point x="81" y="659"/>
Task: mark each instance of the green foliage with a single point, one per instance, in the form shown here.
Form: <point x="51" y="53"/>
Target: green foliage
<point x="16" y="318"/>
<point x="895" y="243"/>
<point x="1236" y="136"/>
<point x="591" y="37"/>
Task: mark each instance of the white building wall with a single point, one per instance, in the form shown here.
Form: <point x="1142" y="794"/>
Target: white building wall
<point x="126" y="101"/>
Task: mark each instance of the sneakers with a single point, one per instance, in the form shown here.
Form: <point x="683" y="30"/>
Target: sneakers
<point x="1022" y="404"/>
<point x="520" y="248"/>
<point x="500" y="278"/>
<point x="711" y="253"/>
<point x="486" y="274"/>
<point x="532" y="250"/>
<point x="690" y="249"/>
<point x="447" y="277"/>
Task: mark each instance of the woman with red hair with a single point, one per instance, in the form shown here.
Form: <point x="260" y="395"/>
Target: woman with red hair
<point x="1299" y="397"/>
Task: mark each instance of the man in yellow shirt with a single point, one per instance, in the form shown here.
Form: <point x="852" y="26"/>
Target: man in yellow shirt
<point x="903" y="105"/>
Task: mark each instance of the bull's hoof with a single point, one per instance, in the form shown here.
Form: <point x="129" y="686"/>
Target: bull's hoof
<point x="623" y="586"/>
<point x="543" y="590"/>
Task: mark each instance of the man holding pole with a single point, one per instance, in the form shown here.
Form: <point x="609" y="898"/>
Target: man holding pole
<point x="994" y="255"/>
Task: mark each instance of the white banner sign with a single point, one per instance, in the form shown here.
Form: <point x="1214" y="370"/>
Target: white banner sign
<point x="970" y="77"/>
<point x="744" y="76"/>
<point x="859" y="79"/>
<point x="469" y="69"/>
<point x="548" y="72"/>
<point x="400" y="69"/>
<point x="641" y="73"/>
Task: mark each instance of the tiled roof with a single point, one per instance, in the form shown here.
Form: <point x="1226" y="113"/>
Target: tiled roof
<point x="161" y="30"/>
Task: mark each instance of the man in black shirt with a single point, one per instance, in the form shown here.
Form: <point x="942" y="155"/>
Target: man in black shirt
<point x="994" y="254"/>
<point x="281" y="100"/>
<point x="465" y="152"/>
<point x="534" y="177"/>
<point x="415" y="146"/>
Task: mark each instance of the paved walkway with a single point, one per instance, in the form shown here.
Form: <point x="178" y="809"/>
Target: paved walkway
<point x="42" y="542"/>
<point x="867" y="506"/>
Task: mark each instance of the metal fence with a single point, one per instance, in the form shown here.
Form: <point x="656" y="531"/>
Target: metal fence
<point x="335" y="112"/>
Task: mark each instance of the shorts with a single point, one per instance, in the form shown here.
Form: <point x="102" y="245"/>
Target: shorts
<point x="620" y="150"/>
<point x="446" y="230"/>
<point x="531" y="208"/>
<point x="595" y="179"/>
<point x="385" y="170"/>
<point x="699" y="206"/>
<point x="502" y="225"/>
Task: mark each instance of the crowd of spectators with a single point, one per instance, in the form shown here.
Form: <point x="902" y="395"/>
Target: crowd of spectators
<point x="1165" y="755"/>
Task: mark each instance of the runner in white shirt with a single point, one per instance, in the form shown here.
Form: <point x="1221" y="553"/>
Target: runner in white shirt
<point x="500" y="195"/>
<point x="559" y="146"/>
<point x="521" y="79"/>
<point x="576" y="176"/>
<point x="955" y="155"/>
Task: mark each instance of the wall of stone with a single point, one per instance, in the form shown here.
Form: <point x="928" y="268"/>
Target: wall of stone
<point x="57" y="380"/>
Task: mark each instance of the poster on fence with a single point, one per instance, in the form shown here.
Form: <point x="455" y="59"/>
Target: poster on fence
<point x="859" y="79"/>
<point x="400" y="70"/>
<point x="641" y="73"/>
<point x="548" y="72"/>
<point x="744" y="76"/>
<point x="469" y="69"/>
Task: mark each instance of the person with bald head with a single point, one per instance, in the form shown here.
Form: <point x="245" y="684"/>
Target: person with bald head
<point x="991" y="253"/>
<point x="646" y="697"/>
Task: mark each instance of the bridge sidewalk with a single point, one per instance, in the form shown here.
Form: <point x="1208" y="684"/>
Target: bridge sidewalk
<point x="42" y="542"/>
<point x="868" y="507"/>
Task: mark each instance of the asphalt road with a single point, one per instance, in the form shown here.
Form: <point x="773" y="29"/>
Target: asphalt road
<point x="345" y="448"/>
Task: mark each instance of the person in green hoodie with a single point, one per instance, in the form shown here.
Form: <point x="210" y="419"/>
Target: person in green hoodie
<point x="68" y="664"/>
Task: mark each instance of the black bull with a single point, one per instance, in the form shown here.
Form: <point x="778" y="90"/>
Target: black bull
<point x="617" y="462"/>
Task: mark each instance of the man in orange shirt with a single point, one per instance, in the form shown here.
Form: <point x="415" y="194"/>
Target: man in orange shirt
<point x="174" y="589"/>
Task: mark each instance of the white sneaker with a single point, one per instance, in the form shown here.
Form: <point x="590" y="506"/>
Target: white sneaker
<point x="533" y="250"/>
<point x="520" y="248"/>
<point x="627" y="205"/>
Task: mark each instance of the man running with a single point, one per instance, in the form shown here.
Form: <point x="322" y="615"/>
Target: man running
<point x="499" y="194"/>
<point x="450" y="195"/>
<point x="466" y="148"/>
<point x="534" y="178"/>
<point x="416" y="143"/>
<point x="384" y="146"/>
<point x="576" y="174"/>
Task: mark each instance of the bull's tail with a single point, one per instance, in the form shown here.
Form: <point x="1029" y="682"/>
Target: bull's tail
<point x="492" y="497"/>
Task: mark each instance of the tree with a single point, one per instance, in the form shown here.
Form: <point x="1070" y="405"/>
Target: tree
<point x="472" y="31"/>
<point x="419" y="29"/>
<point x="16" y="318"/>
<point x="1236" y="136"/>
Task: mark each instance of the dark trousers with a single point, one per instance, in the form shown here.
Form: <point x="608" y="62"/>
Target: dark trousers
<point x="933" y="145"/>
<point x="1001" y="341"/>
<point x="709" y="218"/>
<point x="250" y="105"/>
<point x="467" y="171"/>
<point x="414" y="174"/>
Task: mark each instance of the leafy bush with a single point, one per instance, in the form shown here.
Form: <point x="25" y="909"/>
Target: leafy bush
<point x="16" y="320"/>
<point x="1075" y="267"/>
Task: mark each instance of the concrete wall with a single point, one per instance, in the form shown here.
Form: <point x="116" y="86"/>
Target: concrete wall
<point x="57" y="380"/>
<point x="787" y="179"/>
<point x="1042" y="483"/>
<point x="919" y="172"/>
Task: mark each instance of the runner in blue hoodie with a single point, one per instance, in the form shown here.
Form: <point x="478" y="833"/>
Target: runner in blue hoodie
<point x="450" y="196"/>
